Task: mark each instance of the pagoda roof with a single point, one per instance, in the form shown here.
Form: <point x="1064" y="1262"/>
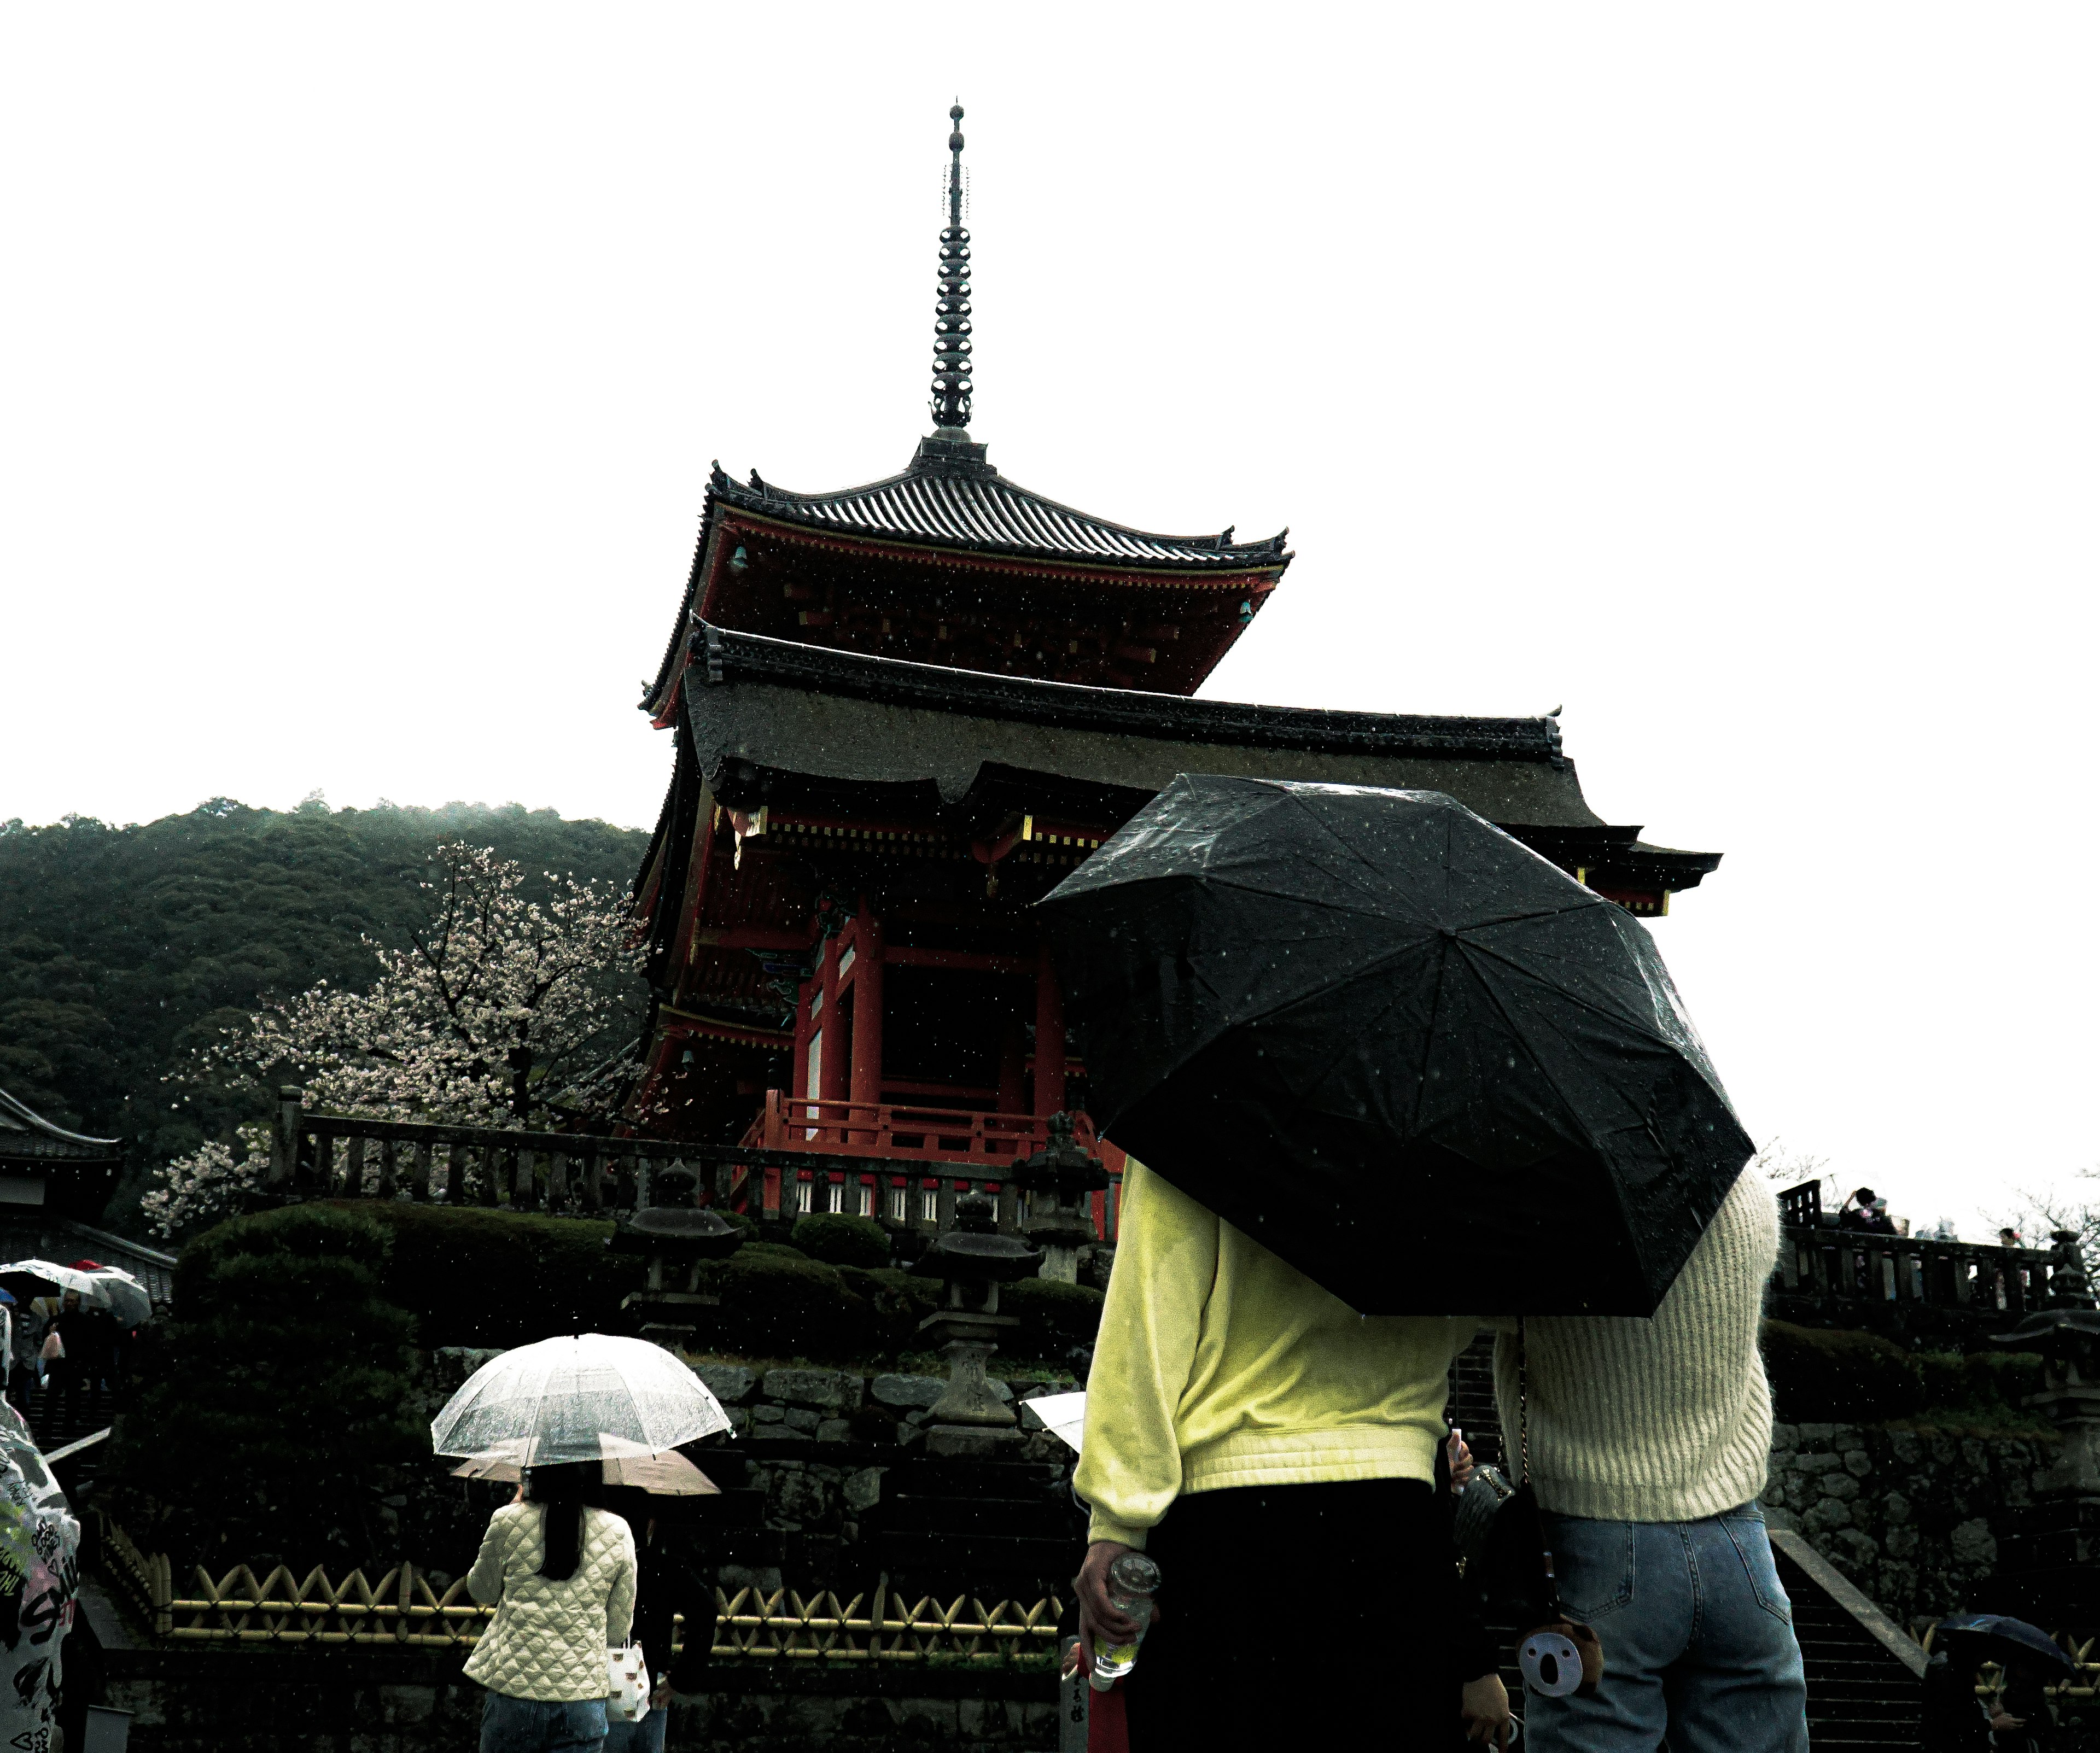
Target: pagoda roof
<point x="729" y="657"/>
<point x="952" y="498"/>
<point x="25" y="1134"/>
<point x="768" y="716"/>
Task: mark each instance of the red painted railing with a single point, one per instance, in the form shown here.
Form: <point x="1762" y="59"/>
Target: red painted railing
<point x="903" y="1131"/>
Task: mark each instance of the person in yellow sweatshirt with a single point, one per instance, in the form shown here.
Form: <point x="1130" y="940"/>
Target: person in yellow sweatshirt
<point x="1275" y="1453"/>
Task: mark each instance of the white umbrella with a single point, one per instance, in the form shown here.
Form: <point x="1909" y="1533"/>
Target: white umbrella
<point x="578" y="1398"/>
<point x="110" y="1288"/>
<point x="1064" y="1415"/>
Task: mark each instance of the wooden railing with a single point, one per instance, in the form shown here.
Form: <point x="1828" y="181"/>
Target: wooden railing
<point x="323" y="1155"/>
<point x="401" y="1610"/>
<point x="897" y="1130"/>
<point x="342" y="1157"/>
<point x="1841" y="1272"/>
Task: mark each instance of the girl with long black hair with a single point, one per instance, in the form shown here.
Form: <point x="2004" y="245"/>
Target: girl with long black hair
<point x="560" y="1572"/>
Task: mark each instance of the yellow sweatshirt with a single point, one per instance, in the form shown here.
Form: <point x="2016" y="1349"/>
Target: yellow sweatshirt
<point x="1218" y="1365"/>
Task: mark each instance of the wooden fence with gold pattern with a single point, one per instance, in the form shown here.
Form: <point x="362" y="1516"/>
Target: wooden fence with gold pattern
<point x="2084" y="1684"/>
<point x="402" y="1608"/>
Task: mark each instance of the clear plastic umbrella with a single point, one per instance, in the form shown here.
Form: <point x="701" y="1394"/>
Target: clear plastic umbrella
<point x="582" y="1397"/>
<point x="110" y="1288"/>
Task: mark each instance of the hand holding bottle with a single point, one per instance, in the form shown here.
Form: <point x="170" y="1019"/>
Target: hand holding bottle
<point x="1106" y="1619"/>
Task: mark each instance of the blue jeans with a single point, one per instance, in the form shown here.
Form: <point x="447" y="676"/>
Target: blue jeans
<point x="644" y="1736"/>
<point x="541" y="1725"/>
<point x="1699" y="1654"/>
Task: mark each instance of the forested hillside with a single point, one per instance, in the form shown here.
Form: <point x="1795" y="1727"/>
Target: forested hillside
<point x="123" y="948"/>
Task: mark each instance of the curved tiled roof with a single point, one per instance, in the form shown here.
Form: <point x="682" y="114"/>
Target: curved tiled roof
<point x="23" y="1132"/>
<point x="963" y="502"/>
<point x="730" y="656"/>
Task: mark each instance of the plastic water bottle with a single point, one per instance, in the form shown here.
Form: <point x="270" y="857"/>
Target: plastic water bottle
<point x="1133" y="1580"/>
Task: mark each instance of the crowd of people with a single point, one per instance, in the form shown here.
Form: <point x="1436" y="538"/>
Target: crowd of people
<point x="1284" y="1463"/>
<point x="59" y="1342"/>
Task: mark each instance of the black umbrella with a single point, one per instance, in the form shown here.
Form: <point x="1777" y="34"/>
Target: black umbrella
<point x="1370" y="1030"/>
<point x="1994" y="1637"/>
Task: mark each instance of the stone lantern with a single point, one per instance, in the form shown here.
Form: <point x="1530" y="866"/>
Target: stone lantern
<point x="974" y="1260"/>
<point x="676" y="1240"/>
<point x="2066" y="1331"/>
<point x="2049" y="1554"/>
<point x="1057" y="1179"/>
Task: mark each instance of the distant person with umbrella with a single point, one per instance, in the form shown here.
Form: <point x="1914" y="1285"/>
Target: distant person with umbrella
<point x="91" y="1333"/>
<point x="66" y="1340"/>
<point x="2019" y="1719"/>
<point x="1368" y="1036"/>
<point x="562" y="1567"/>
<point x="96" y="1306"/>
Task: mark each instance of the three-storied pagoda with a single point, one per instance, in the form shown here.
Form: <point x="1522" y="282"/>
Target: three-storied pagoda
<point x="903" y="711"/>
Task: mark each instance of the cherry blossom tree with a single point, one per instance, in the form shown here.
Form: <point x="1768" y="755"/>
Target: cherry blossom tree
<point x="500" y="1011"/>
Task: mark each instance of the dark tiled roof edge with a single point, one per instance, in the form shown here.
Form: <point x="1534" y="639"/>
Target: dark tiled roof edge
<point x="985" y="513"/>
<point x="725" y="656"/>
<point x="27" y="1120"/>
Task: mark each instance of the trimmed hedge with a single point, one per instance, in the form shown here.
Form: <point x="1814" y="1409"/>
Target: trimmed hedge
<point x="1055" y="1316"/>
<point x="1983" y="1388"/>
<point x="277" y="1405"/>
<point x="842" y="1241"/>
<point x="475" y="1276"/>
<point x="1826" y="1376"/>
<point x="778" y="1303"/>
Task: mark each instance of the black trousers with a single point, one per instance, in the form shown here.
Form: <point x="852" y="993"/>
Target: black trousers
<point x="1302" y="1618"/>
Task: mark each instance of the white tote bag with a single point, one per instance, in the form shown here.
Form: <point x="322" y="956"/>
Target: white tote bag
<point x="627" y="1685"/>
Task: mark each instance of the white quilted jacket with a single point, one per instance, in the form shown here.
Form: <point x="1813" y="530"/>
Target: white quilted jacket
<point x="548" y="1639"/>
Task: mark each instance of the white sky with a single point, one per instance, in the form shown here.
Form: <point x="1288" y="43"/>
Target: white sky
<point x="1728" y="375"/>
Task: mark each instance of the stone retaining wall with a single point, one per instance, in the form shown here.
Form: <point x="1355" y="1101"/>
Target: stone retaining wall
<point x="840" y="1406"/>
<point x="1911" y="1517"/>
<point x="202" y="1701"/>
<point x="817" y="1439"/>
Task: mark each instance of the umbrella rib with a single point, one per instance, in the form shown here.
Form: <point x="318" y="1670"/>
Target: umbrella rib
<point x="1585" y="1003"/>
<point x="1314" y="1083"/>
<point x="647" y="1436"/>
<point x="1355" y="854"/>
<point x="1265" y="893"/>
<point x="1436" y="1011"/>
<point x="1524" y="1040"/>
<point x="1177" y="1061"/>
<point x="539" y="1412"/>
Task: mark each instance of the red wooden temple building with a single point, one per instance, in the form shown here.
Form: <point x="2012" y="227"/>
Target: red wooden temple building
<point x="901" y="712"/>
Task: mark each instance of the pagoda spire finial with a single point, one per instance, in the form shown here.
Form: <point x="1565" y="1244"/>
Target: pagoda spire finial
<point x="951" y="319"/>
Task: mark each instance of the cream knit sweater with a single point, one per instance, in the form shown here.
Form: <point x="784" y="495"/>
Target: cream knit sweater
<point x="1667" y="1420"/>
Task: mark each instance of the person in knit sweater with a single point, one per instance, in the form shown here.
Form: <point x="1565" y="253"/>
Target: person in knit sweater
<point x="1274" y="1452"/>
<point x="1648" y="1443"/>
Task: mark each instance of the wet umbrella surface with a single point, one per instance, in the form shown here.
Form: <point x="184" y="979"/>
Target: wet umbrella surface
<point x="1426" y="1067"/>
<point x="109" y="1288"/>
<point x="580" y="1397"/>
<point x="1994" y="1637"/>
